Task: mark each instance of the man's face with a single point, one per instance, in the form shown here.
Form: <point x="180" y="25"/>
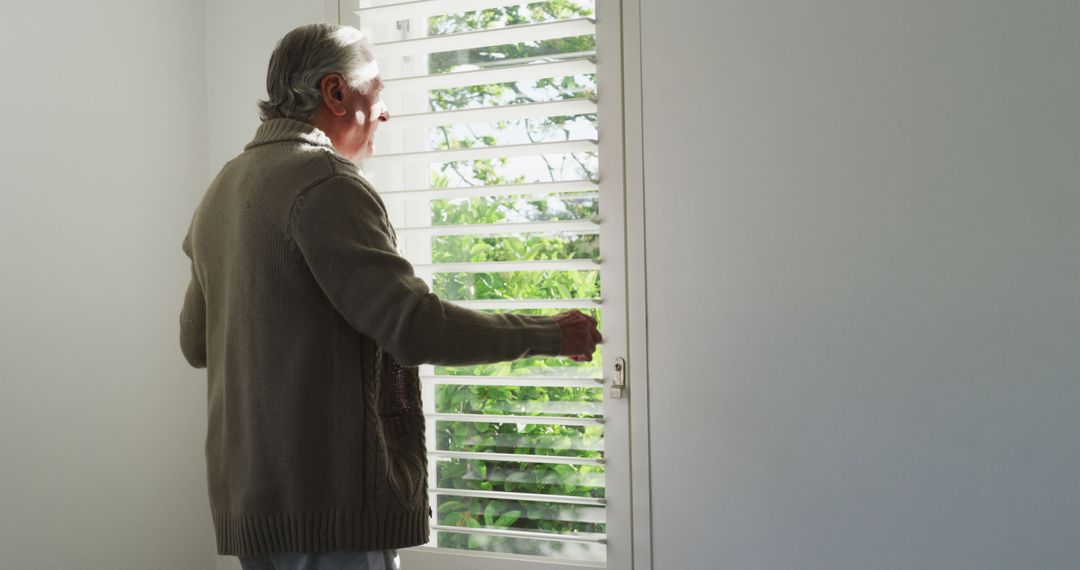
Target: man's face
<point x="365" y="112"/>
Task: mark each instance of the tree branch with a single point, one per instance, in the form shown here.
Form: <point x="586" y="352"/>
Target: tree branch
<point x="453" y="164"/>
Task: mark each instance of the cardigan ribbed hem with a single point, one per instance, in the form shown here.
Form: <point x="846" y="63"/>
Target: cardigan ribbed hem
<point x="250" y="536"/>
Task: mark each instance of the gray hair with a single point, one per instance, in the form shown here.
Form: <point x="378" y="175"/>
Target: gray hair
<point x="300" y="61"/>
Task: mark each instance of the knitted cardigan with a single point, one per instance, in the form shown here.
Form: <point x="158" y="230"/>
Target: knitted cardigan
<point x="310" y="326"/>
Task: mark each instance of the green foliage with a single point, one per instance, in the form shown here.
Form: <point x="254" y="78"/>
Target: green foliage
<point x="496" y="436"/>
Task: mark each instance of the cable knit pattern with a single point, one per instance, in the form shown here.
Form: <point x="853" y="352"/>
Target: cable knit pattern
<point x="310" y="325"/>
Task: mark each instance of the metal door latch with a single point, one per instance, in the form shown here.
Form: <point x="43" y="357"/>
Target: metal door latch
<point x="619" y="381"/>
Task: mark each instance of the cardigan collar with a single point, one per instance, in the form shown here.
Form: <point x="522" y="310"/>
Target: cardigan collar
<point x="280" y="130"/>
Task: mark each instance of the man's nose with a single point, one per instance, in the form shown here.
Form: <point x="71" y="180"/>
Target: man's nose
<point x="384" y="112"/>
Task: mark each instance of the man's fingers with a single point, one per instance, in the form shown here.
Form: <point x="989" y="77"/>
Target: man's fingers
<point x="582" y="336"/>
<point x="586" y="316"/>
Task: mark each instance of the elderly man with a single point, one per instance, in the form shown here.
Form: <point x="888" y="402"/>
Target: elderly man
<point x="311" y="326"/>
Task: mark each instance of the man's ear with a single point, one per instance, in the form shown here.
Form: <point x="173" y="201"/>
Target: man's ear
<point x="334" y="90"/>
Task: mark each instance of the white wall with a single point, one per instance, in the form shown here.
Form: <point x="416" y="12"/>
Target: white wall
<point x="103" y="153"/>
<point x="240" y="35"/>
<point x="863" y="224"/>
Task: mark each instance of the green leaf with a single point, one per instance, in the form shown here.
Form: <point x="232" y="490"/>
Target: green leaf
<point x="452" y="506"/>
<point x="452" y="519"/>
<point x="508" y="518"/>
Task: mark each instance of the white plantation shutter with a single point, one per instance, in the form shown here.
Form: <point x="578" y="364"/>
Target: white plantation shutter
<point x="516" y="450"/>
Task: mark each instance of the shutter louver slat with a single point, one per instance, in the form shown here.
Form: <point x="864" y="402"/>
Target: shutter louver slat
<point x="489" y="456"/>
<point x="483" y="38"/>
<point x="581" y="537"/>
<point x="510" y="304"/>
<point x="567" y="499"/>
<point x="491" y="114"/>
<point x="543" y="68"/>
<point x="545" y="381"/>
<point x="569" y="226"/>
<point x="476" y="153"/>
<point x="509" y="266"/>
<point x="532" y="189"/>
<point x="423" y="8"/>
<point x="493" y="418"/>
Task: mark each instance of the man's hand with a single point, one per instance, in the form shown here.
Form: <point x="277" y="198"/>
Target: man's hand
<point x="579" y="335"/>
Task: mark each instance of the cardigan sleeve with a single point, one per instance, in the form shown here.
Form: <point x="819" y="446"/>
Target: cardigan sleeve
<point x="193" y="316"/>
<point x="342" y="231"/>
